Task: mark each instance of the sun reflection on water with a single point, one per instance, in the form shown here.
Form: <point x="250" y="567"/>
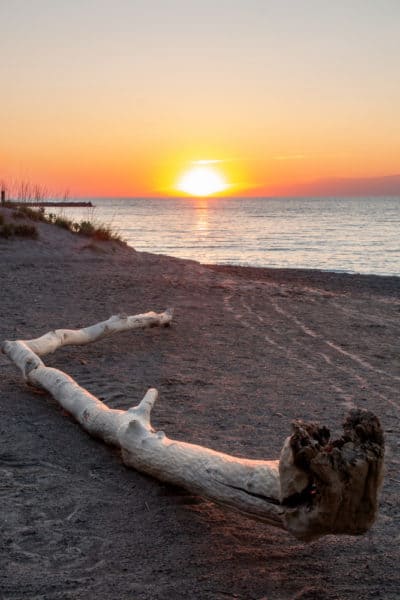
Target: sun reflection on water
<point x="202" y="217"/>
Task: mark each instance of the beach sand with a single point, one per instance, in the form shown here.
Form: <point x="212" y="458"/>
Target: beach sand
<point x="249" y="351"/>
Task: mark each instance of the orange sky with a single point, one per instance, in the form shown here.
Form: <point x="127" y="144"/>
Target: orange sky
<point x="118" y="99"/>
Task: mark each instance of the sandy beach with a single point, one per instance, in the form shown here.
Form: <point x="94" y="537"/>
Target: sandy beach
<point x="249" y="350"/>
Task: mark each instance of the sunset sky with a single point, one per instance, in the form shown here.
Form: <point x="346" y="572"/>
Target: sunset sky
<point x="123" y="97"/>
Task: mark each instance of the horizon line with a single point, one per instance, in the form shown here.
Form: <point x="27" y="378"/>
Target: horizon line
<point x="235" y="197"/>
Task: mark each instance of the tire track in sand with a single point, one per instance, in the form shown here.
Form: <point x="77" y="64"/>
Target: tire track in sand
<point x="285" y="350"/>
<point x="315" y="336"/>
<point x="349" y="355"/>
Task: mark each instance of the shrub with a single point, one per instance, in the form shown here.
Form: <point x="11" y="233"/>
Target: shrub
<point x="25" y="212"/>
<point x="21" y="230"/>
<point x="105" y="233"/>
<point x="63" y="223"/>
<point x="18" y="214"/>
<point x="98" y="231"/>
<point x="7" y="230"/>
<point x="86" y="228"/>
<point x="28" y="231"/>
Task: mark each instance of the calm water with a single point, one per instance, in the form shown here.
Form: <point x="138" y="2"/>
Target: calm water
<point x="348" y="234"/>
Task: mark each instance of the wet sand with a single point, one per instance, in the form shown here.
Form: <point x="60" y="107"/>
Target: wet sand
<point x="249" y="351"/>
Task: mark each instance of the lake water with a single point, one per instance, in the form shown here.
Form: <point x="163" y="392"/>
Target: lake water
<point x="355" y="235"/>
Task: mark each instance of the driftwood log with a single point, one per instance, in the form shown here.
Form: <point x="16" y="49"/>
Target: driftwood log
<point x="318" y="486"/>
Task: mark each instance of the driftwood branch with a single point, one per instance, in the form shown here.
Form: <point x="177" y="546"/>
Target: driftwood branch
<point x="318" y="486"/>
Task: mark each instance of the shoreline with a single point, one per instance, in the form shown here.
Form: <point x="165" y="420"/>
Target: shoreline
<point x="334" y="279"/>
<point x="282" y="269"/>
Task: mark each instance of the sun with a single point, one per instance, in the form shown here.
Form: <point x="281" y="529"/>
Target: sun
<point x="202" y="180"/>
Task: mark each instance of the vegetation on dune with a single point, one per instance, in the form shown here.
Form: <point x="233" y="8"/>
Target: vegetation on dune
<point x="24" y="212"/>
<point x="25" y="230"/>
<point x="27" y="192"/>
<point x="86" y="227"/>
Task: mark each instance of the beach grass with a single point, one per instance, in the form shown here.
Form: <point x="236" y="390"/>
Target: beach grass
<point x="89" y="227"/>
<point x="25" y="230"/>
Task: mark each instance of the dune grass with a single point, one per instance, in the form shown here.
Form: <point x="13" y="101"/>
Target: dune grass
<point x="26" y="191"/>
<point x="90" y="228"/>
<point x="24" y="230"/>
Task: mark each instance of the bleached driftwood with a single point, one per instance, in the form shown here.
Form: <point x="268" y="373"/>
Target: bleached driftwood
<point x="318" y="486"/>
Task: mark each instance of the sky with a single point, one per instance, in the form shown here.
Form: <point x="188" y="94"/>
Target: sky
<point x="122" y="97"/>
